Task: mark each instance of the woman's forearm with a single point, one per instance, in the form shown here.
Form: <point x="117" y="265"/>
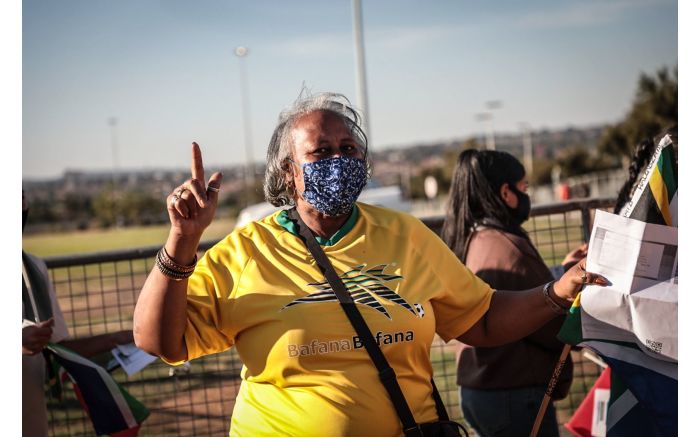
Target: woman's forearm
<point x="160" y="315"/>
<point x="512" y="315"/>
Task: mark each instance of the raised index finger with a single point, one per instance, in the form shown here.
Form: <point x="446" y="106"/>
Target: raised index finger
<point x="197" y="166"/>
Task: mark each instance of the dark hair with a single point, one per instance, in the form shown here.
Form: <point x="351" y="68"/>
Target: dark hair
<point x="475" y="196"/>
<point x="642" y="155"/>
<point x="640" y="160"/>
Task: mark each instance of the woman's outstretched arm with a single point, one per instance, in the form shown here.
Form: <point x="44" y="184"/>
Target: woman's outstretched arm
<point x="514" y="314"/>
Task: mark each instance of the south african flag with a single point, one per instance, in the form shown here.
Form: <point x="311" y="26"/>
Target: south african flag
<point x="112" y="410"/>
<point x="655" y="200"/>
<point x="643" y="390"/>
<point x="643" y="393"/>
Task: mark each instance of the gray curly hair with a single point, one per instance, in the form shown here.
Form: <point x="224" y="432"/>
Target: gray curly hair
<point x="281" y="144"/>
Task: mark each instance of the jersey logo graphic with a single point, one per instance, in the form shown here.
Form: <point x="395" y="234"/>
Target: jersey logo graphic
<point x="363" y="285"/>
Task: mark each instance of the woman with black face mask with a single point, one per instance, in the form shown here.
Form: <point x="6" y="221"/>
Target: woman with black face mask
<point x="501" y="387"/>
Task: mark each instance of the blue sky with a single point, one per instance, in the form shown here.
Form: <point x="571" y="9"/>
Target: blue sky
<point x="166" y="71"/>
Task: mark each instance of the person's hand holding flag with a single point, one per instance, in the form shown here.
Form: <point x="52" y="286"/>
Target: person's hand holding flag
<point x="35" y="336"/>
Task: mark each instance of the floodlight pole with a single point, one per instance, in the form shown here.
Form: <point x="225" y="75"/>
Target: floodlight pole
<point x="249" y="170"/>
<point x="112" y="122"/>
<point x="492" y="105"/>
<point x="360" y="70"/>
<point x="528" y="158"/>
<point x="489" y="138"/>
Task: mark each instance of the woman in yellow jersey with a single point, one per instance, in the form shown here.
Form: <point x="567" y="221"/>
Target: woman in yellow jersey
<point x="306" y="372"/>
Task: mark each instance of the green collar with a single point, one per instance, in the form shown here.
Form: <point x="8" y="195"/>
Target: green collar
<point x="284" y="221"/>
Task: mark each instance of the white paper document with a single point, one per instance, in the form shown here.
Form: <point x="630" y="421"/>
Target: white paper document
<point x="641" y="304"/>
<point x="131" y="358"/>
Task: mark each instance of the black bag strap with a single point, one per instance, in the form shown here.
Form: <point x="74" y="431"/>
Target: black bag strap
<point x="439" y="406"/>
<point x="386" y="373"/>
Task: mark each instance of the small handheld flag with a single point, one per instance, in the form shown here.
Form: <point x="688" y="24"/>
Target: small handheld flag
<point x="111" y="408"/>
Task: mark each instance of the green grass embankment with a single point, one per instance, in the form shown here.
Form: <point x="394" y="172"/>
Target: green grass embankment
<point x="80" y="242"/>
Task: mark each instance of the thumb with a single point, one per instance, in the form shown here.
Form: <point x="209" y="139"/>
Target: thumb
<point x="213" y="186"/>
<point x="46" y="323"/>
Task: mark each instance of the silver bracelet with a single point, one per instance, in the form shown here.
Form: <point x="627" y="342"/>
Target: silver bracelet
<point x="558" y="309"/>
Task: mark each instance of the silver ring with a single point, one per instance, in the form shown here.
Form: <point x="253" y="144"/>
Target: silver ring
<point x="584" y="277"/>
<point x="213" y="189"/>
<point x="174" y="199"/>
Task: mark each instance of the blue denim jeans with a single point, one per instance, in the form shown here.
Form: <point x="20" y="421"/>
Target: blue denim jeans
<point x="507" y="413"/>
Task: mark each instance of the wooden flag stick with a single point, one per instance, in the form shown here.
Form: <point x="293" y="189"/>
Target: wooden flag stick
<point x="550" y="389"/>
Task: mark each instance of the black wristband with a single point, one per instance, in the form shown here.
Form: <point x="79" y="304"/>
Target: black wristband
<point x="551" y="303"/>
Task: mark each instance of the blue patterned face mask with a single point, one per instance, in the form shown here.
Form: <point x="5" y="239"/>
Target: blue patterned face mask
<point x="333" y="185"/>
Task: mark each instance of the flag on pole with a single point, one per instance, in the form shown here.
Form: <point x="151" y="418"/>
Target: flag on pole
<point x="110" y="407"/>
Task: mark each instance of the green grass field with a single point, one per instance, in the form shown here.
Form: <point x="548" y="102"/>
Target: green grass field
<point x="79" y="242"/>
<point x="554" y="236"/>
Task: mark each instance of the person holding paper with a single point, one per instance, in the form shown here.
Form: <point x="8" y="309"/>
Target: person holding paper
<point x="42" y="322"/>
<point x="305" y="373"/>
<point x="501" y="387"/>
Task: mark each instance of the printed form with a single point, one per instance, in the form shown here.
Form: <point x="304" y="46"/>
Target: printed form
<point x="641" y="304"/>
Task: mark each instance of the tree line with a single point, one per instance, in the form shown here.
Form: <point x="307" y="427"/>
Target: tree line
<point x="653" y="110"/>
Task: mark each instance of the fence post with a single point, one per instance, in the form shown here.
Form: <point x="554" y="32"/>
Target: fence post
<point x="586" y="223"/>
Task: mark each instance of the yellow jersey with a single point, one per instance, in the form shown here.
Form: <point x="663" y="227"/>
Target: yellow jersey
<point x="306" y="372"/>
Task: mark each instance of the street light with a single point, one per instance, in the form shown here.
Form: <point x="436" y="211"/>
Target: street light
<point x="492" y="105"/>
<point x="360" y="70"/>
<point x="489" y="140"/>
<point x="527" y="148"/>
<point x="248" y="172"/>
<point x="112" y="122"/>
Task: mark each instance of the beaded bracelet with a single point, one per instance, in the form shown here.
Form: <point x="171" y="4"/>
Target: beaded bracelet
<point x="558" y="309"/>
<point x="171" y="269"/>
<point x="171" y="274"/>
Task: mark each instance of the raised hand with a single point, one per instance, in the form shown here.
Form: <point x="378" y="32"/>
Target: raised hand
<point x="192" y="205"/>
<point x="576" y="255"/>
<point x="35" y="337"/>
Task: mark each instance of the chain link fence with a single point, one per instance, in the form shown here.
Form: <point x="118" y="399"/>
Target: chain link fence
<point x="98" y="292"/>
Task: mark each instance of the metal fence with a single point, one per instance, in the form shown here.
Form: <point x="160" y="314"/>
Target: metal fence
<point x="98" y="292"/>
